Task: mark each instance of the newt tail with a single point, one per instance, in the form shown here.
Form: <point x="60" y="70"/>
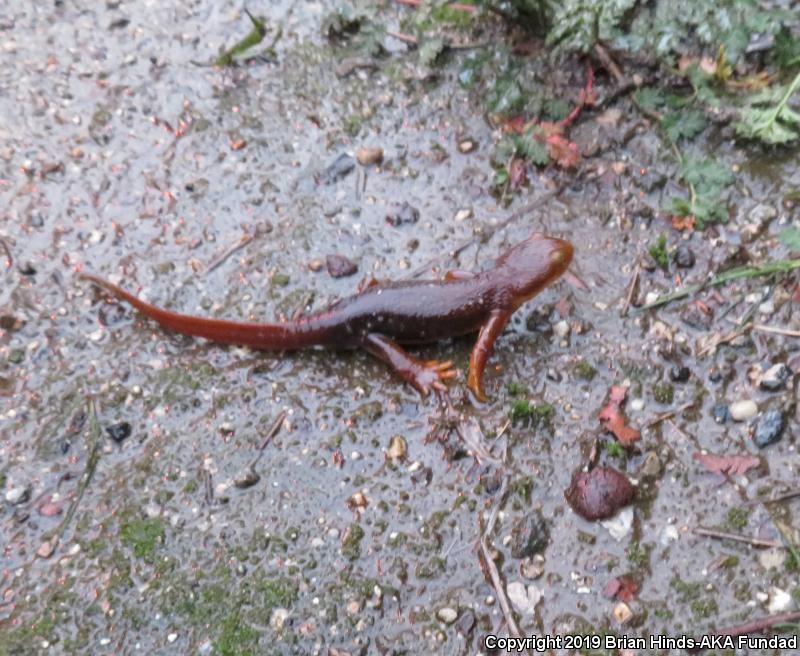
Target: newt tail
<point x="386" y="314"/>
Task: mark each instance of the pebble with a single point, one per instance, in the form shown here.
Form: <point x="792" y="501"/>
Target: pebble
<point x="524" y="599"/>
<point x="620" y="525"/>
<point x="679" y="374"/>
<point x="368" y="155"/>
<point x="119" y="432"/>
<point x="779" y="600"/>
<point x="775" y="378"/>
<point x="467" y="146"/>
<point x="651" y="297"/>
<point x="720" y="412"/>
<point x="769" y="428"/>
<point x="462" y="215"/>
<point x="398" y="448"/>
<point x="447" y="615"/>
<point x="622" y="613"/>
<point x="637" y="404"/>
<point x="743" y="410"/>
<point x="684" y="257"/>
<point x="561" y="329"/>
<point x="18" y="495"/>
<point x="529" y="535"/>
<point x="532" y="568"/>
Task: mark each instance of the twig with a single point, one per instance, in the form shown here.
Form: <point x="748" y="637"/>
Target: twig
<point x="722" y="535"/>
<point x="220" y="259"/>
<point x="497" y="582"/>
<point x="631" y="289"/>
<point x="405" y="38"/>
<point x="759" y="625"/>
<point x="469" y="9"/>
<point x="9" y="257"/>
<point x="83" y="484"/>
<point x="775" y="330"/>
<point x="669" y="415"/>
<point x="769" y="268"/>
<point x="786" y="496"/>
<point x="273" y="431"/>
<point x="610" y="65"/>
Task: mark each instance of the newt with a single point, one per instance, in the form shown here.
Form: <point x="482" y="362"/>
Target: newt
<point x="385" y="314"/>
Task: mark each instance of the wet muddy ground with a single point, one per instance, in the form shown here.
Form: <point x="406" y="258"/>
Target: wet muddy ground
<point x="131" y="519"/>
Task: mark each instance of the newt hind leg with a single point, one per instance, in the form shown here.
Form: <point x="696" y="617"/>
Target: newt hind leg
<point x="423" y="375"/>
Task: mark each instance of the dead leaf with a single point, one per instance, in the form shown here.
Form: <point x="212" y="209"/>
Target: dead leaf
<point x="727" y="465"/>
<point x="562" y="151"/>
<point x="683" y="222"/>
<point x="610" y="118"/>
<point x="518" y="173"/>
<point x="613" y="419"/>
<point x="621" y="588"/>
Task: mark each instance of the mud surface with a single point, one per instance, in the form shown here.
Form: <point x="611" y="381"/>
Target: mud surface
<point x="210" y="191"/>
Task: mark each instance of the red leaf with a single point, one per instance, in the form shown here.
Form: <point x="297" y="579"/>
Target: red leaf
<point x="622" y="588"/>
<point x="613" y="419"/>
<point x="727" y="465"/>
<point x="563" y="151"/>
<point x="599" y="493"/>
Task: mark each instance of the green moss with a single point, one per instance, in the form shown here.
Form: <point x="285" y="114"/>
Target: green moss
<point x="430" y="569"/>
<point x="280" y="592"/>
<point x="522" y="486"/>
<point x="280" y="279"/>
<point x="584" y="370"/>
<point x="664" y="393"/>
<point x="516" y="389"/>
<point x="736" y="519"/>
<point x="703" y="608"/>
<point x="658" y="252"/>
<point x="351" y="545"/>
<point x="143" y="536"/>
<point x="236" y="638"/>
<point x="523" y="410"/>
<point x="615" y="449"/>
<point x="638" y="554"/>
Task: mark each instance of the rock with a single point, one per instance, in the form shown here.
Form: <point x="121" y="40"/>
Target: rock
<point x="369" y="155"/>
<point x="406" y="214"/>
<point x="524" y="599"/>
<point x="721" y="413"/>
<point x="119" y="432"/>
<point x="743" y="410"/>
<point x="779" y="600"/>
<point x="762" y="213"/>
<point x="467" y="146"/>
<point x="683" y="257"/>
<point x="620" y="525"/>
<point x="17" y="495"/>
<point x="398" y="448"/>
<point x="775" y="378"/>
<point x="561" y="329"/>
<point x="651" y="467"/>
<point x="622" y="613"/>
<point x="466" y="623"/>
<point x="339" y="266"/>
<point x="532" y="568"/>
<point x="769" y="428"/>
<point x="529" y="535"/>
<point x="447" y="615"/>
<point x="679" y="374"/>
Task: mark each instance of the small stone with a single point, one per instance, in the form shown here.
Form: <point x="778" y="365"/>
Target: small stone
<point x="529" y="535"/>
<point x="357" y="501"/>
<point x="278" y="619"/>
<point x="398" y="448"/>
<point x="679" y="374"/>
<point x="18" y="495"/>
<point x="637" y="405"/>
<point x="406" y="214"/>
<point x="743" y="410"/>
<point x="651" y="467"/>
<point x="620" y="525"/>
<point x="524" y="599"/>
<point x="775" y="378"/>
<point x="651" y="297"/>
<point x="119" y="432"/>
<point x="339" y="266"/>
<point x="467" y="146"/>
<point x="769" y="428"/>
<point x="316" y="264"/>
<point x="721" y="413"/>
<point x="369" y="155"/>
<point x="762" y="213"/>
<point x="683" y="257"/>
<point x="532" y="568"/>
<point x="622" y="613"/>
<point x="172" y="637"/>
<point x="466" y="623"/>
<point x="447" y="615"/>
<point x="462" y="215"/>
<point x="561" y="329"/>
<point x="779" y="600"/>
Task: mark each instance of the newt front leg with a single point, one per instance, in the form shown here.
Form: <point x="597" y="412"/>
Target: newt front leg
<point x="421" y="374"/>
<point x="490" y="331"/>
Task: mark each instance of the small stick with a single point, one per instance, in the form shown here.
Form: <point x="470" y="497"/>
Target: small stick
<point x="273" y="430"/>
<point x="722" y="535"/>
<point x="775" y="330"/>
<point x="631" y="289"/>
<point x="405" y="38"/>
<point x="470" y="9"/>
<point x="761" y="624"/>
<point x="781" y="497"/>
<point x="493" y="573"/>
<point x="243" y="241"/>
<point x="669" y="415"/>
<point x="9" y="257"/>
<point x="609" y="64"/>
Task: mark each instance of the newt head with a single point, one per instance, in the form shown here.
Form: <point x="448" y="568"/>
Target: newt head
<point x="533" y="264"/>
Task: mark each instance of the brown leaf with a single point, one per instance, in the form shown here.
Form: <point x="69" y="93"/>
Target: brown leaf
<point x="622" y="588"/>
<point x="613" y="419"/>
<point x="517" y="173"/>
<point x="727" y="465"/>
<point x="683" y="223"/>
<point x="562" y="151"/>
<point x="599" y="493"/>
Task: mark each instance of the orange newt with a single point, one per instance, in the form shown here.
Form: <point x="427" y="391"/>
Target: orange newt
<point x="408" y="312"/>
